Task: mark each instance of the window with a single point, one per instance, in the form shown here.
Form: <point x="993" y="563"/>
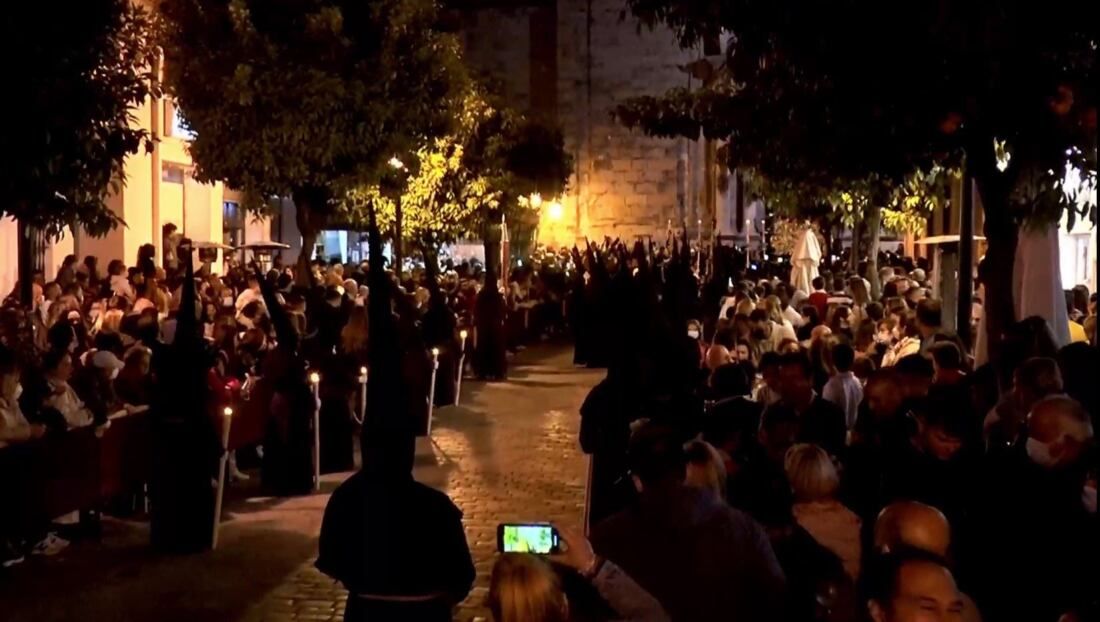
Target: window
<point x="174" y="123"/>
<point x="171" y="173"/>
<point x="232" y="223"/>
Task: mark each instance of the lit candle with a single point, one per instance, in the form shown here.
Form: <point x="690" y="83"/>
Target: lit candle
<point x="315" y="380"/>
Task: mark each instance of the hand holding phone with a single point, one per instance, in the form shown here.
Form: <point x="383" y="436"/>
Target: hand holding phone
<point x="577" y="554"/>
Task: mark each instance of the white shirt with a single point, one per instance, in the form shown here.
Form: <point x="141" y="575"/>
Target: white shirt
<point x="120" y="286"/>
<point x="844" y="390"/>
<point x="63" y="399"/>
<point x="792" y="316"/>
<point x="780" y="332"/>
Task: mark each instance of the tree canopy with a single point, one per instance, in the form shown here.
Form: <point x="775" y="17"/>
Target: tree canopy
<point x="74" y="82"/>
<point x="843" y="94"/>
<point x="308" y="98"/>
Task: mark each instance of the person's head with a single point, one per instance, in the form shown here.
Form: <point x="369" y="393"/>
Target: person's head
<point x="860" y="295"/>
<point x="819" y="332"/>
<point x="524" y="588"/>
<point x="818" y="283"/>
<point x="929" y="316"/>
<point x="909" y="524"/>
<point x="731" y="380"/>
<point x="69" y="261"/>
<point x="655" y="457"/>
<point x="946" y="358"/>
<point x="769" y="369"/>
<point x="874" y="311"/>
<point x="718" y="356"/>
<point x="842" y="357"/>
<point x="942" y="424"/>
<point x="915" y="373"/>
<point x="1059" y="431"/>
<point x="694" y="329"/>
<point x="1035" y="379"/>
<point x="52" y="291"/>
<point x="773" y="307"/>
<point x="811" y="473"/>
<point x="705" y="468"/>
<point x="778" y="431"/>
<point x="253" y="282"/>
<point x="58" y="365"/>
<point x="355" y="334"/>
<point x="912" y="586"/>
<point x="810" y="316"/>
<point x="883" y="394"/>
<point x="137" y="362"/>
<point x="741" y="351"/>
<point x="796" y="379"/>
<point x="760" y="324"/>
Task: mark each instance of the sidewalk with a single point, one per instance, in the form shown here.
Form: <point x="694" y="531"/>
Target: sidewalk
<point x="509" y="452"/>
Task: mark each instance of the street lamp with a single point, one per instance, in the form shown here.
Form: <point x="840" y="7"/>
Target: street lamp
<point x="536" y="200"/>
<point x="554" y="211"/>
<point x="397" y="165"/>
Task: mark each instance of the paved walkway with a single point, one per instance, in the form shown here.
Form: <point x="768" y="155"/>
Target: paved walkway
<point x="508" y="453"/>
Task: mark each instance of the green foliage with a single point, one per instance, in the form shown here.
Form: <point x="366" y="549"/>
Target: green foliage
<point x="861" y="93"/>
<point x="491" y="161"/>
<point x="308" y="95"/>
<point x="75" y="72"/>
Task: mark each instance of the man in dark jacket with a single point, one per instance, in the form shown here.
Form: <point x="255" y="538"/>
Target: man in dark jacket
<point x="819" y="421"/>
<point x="700" y="558"/>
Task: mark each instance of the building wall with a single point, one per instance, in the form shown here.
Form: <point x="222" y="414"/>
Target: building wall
<point x="624" y="184"/>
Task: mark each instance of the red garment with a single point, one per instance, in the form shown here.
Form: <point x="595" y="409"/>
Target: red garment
<point x="820" y="300"/>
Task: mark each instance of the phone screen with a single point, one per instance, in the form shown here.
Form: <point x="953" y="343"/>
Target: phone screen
<point x="537" y="538"/>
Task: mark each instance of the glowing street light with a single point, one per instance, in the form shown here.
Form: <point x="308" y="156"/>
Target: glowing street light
<point x="397" y="164"/>
<point x="555" y="210"/>
<point x="536" y="200"/>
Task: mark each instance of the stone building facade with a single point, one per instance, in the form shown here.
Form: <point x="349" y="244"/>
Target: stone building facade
<point x="572" y="61"/>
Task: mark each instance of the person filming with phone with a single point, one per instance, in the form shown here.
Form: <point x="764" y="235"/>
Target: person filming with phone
<point x="525" y="588"/>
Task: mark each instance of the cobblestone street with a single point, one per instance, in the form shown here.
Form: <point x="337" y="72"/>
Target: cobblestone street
<point x="509" y="452"/>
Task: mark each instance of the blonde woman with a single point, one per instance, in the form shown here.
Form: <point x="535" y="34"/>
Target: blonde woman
<point x="705" y="468"/>
<point x="524" y="588"/>
<point x="814" y="482"/>
<point x="775" y="313"/>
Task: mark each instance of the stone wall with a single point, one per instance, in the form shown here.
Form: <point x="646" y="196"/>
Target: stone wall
<point x="625" y="184"/>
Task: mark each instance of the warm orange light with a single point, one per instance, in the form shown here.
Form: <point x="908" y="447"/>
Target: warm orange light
<point x="555" y="210"/>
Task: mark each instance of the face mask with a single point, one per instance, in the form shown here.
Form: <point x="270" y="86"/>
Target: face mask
<point x="694" y="334"/>
<point x="227" y="301"/>
<point x="1039" y="453"/>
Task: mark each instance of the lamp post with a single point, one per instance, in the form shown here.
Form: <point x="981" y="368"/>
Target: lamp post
<point x="431" y="390"/>
<point x="227" y="420"/>
<point x="315" y="380"/>
<point x="398" y="258"/>
<point x="461" y="363"/>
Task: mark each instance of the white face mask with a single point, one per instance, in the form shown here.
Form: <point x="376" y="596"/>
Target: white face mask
<point x="227" y="301"/>
<point x="694" y="334"/>
<point x="1039" y="453"/>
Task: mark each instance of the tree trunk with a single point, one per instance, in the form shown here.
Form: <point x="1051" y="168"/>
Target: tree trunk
<point x="1001" y="237"/>
<point x="431" y="263"/>
<point x="966" y="262"/>
<point x="853" y="254"/>
<point x="26" y="257"/>
<point x="309" y="214"/>
<point x="398" y="238"/>
<point x="873" y="222"/>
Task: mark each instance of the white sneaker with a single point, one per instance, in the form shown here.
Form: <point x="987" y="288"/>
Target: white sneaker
<point x="50" y="545"/>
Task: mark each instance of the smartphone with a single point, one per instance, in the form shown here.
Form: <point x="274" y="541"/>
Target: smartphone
<point x="536" y="538"/>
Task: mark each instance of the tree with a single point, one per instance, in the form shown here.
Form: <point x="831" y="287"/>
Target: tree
<point x="308" y="98"/>
<point x="441" y="196"/>
<point x="843" y="93"/>
<point x="74" y="85"/>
